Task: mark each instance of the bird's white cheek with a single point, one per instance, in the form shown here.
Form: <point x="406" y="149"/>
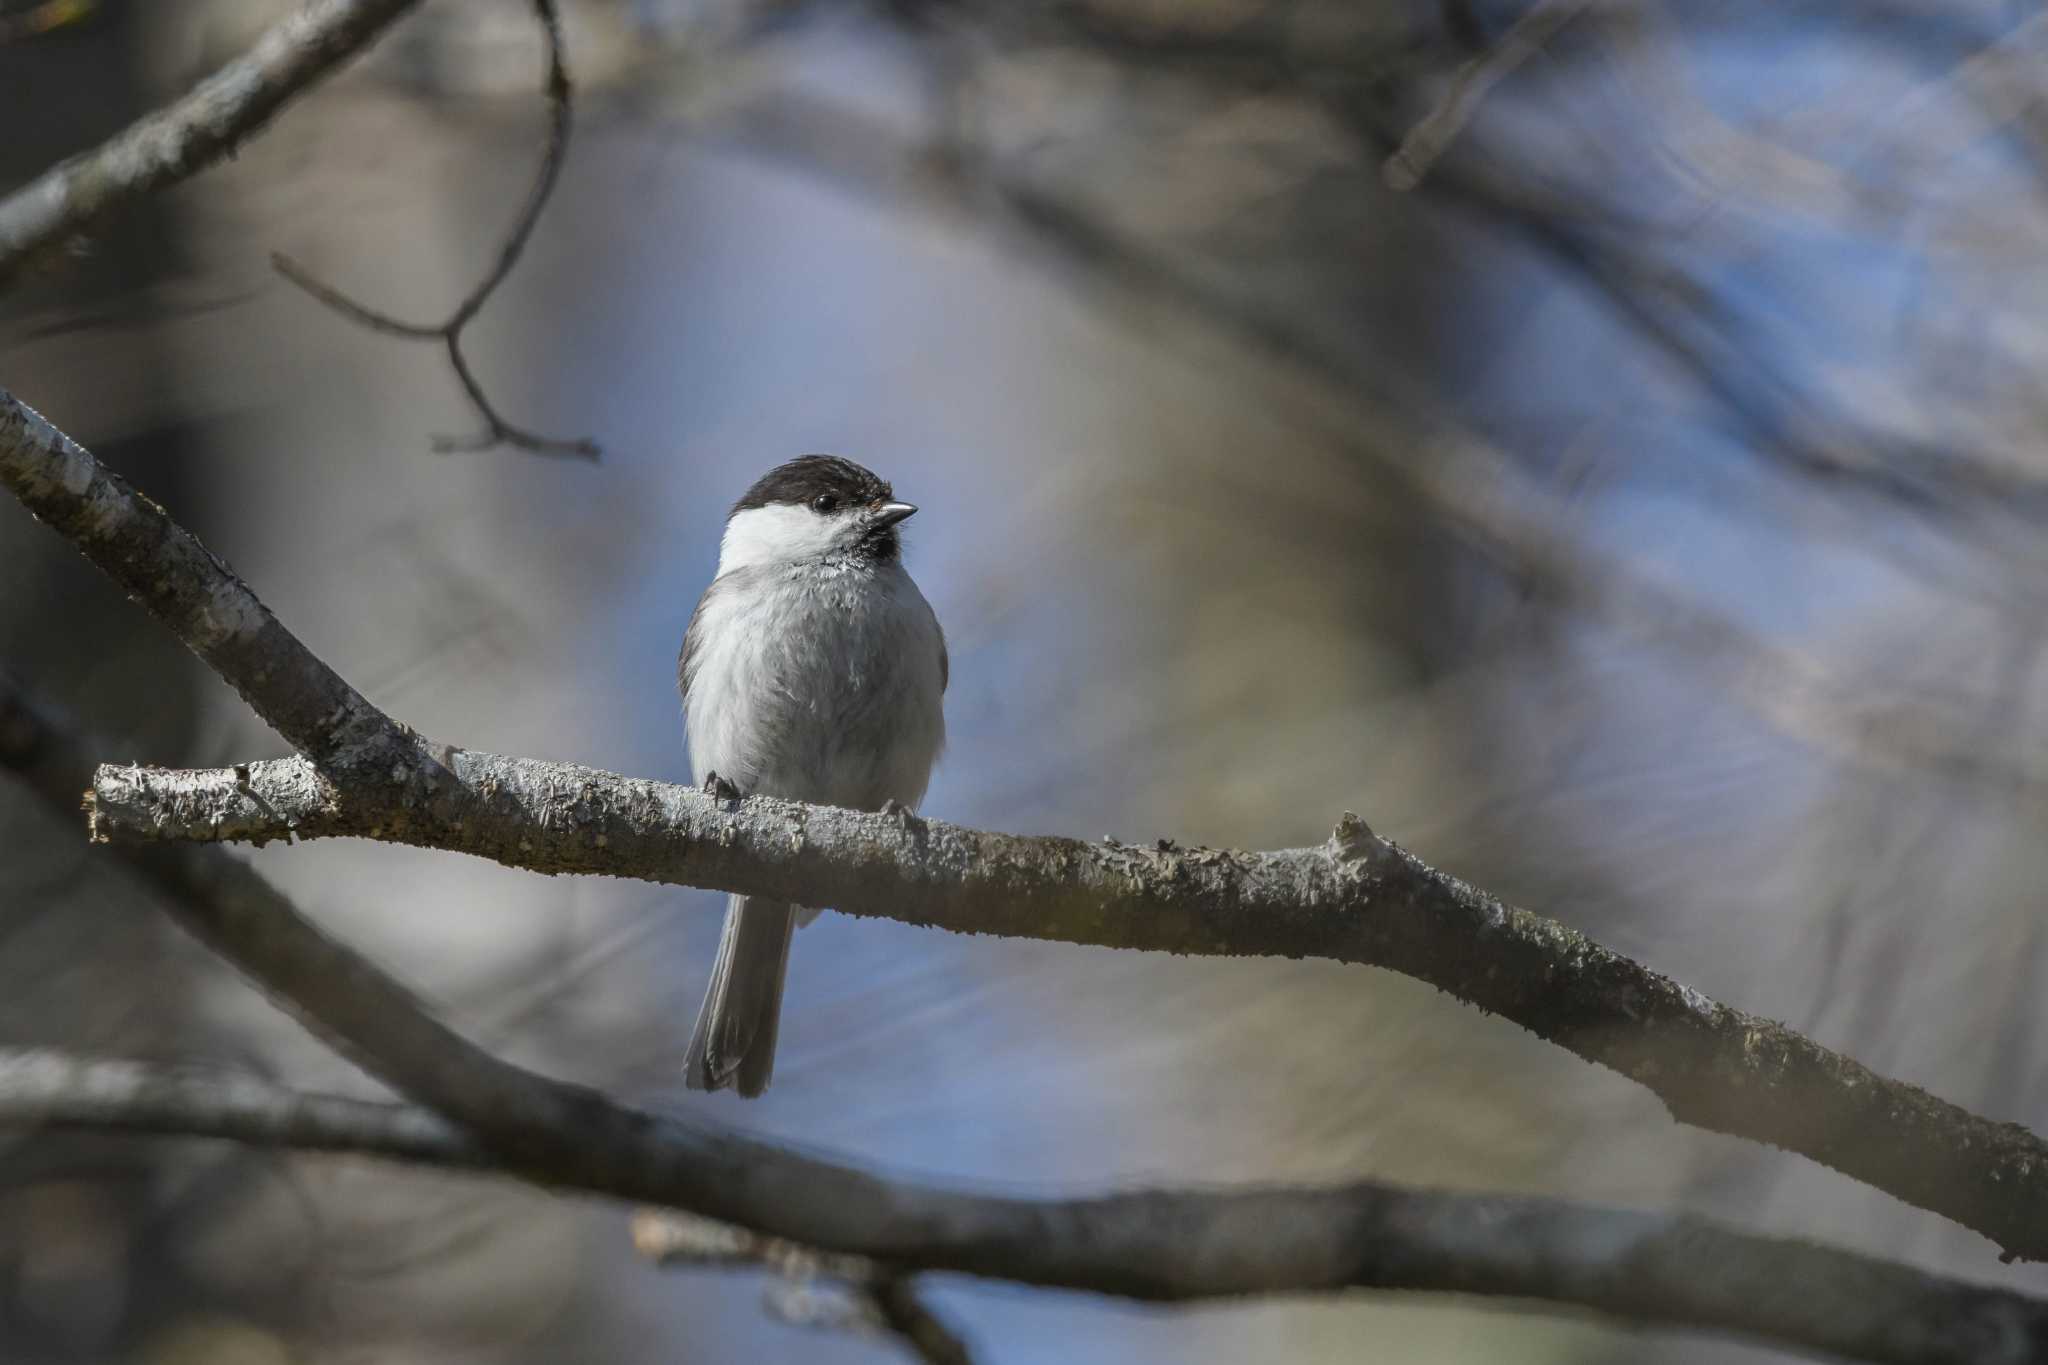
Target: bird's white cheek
<point x="771" y="535"/>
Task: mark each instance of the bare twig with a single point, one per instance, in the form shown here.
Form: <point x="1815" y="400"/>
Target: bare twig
<point x="497" y="430"/>
<point x="1356" y="899"/>
<point x="191" y="134"/>
<point x="1161" y="1245"/>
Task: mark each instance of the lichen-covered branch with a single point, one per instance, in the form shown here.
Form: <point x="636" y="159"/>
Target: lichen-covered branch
<point x="193" y="133"/>
<point x="1356" y="899"/>
<point x="1166" y="1245"/>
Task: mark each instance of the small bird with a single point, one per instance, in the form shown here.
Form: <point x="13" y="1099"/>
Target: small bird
<point x="812" y="669"/>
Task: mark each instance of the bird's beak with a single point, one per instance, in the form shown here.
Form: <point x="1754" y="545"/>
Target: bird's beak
<point x="889" y="513"/>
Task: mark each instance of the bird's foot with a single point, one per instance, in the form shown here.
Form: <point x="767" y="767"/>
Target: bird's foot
<point x="903" y="815"/>
<point x="718" y="787"/>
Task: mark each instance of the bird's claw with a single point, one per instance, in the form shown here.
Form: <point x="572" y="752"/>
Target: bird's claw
<point x="900" y="813"/>
<point x="716" y="786"/>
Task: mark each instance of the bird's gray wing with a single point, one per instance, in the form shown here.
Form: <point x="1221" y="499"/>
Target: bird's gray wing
<point x="693" y="641"/>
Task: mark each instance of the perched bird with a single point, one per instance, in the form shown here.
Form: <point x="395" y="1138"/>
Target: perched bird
<point x="814" y="669"/>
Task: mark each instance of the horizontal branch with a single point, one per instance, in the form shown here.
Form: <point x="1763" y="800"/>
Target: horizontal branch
<point x="193" y="133"/>
<point x="1354" y="899"/>
<point x="1173" y="1245"/>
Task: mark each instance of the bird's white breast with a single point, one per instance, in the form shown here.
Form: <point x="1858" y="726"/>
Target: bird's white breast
<point x="820" y="681"/>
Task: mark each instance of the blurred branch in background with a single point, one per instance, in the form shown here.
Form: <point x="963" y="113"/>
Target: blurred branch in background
<point x="1156" y="1245"/>
<point x="1478" y="491"/>
<point x="192" y="133"/>
<point x="497" y="431"/>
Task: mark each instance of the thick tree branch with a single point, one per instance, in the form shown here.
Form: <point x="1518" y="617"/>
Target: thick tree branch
<point x="1667" y="1270"/>
<point x="1356" y="899"/>
<point x="198" y="130"/>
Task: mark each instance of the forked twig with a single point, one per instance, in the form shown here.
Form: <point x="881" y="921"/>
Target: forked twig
<point x="497" y="430"/>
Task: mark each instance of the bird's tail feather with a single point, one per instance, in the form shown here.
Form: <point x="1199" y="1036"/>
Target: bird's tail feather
<point x="734" y="1043"/>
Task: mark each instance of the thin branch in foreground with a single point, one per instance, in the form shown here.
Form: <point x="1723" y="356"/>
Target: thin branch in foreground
<point x="497" y="430"/>
<point x="1355" y="899"/>
<point x="176" y="142"/>
<point x="1665" y="1270"/>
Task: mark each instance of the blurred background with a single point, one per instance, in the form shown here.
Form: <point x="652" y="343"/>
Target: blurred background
<point x="1602" y="443"/>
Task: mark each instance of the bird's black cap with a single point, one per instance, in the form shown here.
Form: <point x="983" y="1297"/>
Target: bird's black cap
<point x="807" y="476"/>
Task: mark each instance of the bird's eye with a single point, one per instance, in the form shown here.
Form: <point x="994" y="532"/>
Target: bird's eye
<point x="824" y="502"/>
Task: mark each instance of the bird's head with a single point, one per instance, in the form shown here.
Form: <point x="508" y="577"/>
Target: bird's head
<point x="815" y="507"/>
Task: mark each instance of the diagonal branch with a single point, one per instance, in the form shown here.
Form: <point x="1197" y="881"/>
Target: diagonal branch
<point x="1160" y="1245"/>
<point x="198" y="130"/>
<point x="1356" y="899"/>
<point x="448" y="335"/>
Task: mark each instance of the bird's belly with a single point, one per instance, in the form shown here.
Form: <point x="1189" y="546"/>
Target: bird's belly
<point x="825" y="705"/>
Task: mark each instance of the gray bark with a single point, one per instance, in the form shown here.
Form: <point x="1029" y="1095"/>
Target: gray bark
<point x="1355" y="899"/>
